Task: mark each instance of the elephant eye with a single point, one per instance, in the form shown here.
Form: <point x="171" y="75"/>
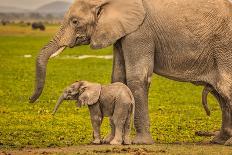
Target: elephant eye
<point x="75" y="21"/>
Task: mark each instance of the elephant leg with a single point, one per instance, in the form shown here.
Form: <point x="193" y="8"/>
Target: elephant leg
<point x="139" y="62"/>
<point x="141" y="117"/>
<point x="110" y="136"/>
<point x="96" y="120"/>
<point x="225" y="100"/>
<point x="117" y="140"/>
<point x="118" y="73"/>
<point x="96" y="123"/>
<point x="127" y="126"/>
<point x="119" y="119"/>
<point x="221" y="137"/>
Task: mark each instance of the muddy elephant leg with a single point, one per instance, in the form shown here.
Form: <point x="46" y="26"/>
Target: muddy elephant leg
<point x="110" y="136"/>
<point x="225" y="101"/>
<point x="139" y="62"/>
<point x="118" y="73"/>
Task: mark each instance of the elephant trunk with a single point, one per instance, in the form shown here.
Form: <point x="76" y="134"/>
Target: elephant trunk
<point x="61" y="99"/>
<point x="51" y="50"/>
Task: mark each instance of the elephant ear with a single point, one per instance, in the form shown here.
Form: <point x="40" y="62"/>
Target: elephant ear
<point x="89" y="93"/>
<point x="117" y="18"/>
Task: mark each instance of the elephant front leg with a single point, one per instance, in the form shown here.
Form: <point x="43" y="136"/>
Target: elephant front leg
<point x="138" y="73"/>
<point x="118" y="72"/>
<point x="141" y="116"/>
<point x="96" y="123"/>
<point x="96" y="120"/>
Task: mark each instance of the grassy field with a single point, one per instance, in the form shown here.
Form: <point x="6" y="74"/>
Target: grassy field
<point x="175" y="108"/>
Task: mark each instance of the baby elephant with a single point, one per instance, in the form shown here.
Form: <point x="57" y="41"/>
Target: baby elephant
<point x="114" y="100"/>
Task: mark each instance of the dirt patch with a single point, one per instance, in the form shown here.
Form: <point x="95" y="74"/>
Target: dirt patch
<point x="87" y="150"/>
<point x="136" y="151"/>
<point x="157" y="149"/>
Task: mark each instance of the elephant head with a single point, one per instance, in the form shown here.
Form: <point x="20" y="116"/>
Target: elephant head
<point x="99" y="23"/>
<point x="82" y="91"/>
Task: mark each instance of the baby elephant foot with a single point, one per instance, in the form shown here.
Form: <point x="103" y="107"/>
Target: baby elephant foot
<point x="96" y="141"/>
<point x="116" y="142"/>
<point x="108" y="139"/>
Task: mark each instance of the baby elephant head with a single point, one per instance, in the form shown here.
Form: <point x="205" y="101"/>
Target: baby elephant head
<point x="84" y="92"/>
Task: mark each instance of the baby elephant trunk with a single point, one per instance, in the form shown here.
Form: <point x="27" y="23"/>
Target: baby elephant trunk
<point x="61" y="99"/>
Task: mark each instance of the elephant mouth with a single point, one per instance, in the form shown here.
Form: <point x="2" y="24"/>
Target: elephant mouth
<point x="80" y="41"/>
<point x="72" y="97"/>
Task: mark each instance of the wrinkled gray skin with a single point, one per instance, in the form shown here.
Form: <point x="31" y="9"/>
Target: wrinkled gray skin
<point x="184" y="40"/>
<point x="114" y="101"/>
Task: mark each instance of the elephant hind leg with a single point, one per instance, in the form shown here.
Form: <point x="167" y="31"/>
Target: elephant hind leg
<point x="127" y="126"/>
<point x="111" y="135"/>
<point x="119" y="118"/>
<point x="224" y="97"/>
<point x="221" y="137"/>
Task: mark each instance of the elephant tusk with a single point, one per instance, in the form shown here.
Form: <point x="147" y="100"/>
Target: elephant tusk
<point x="57" y="52"/>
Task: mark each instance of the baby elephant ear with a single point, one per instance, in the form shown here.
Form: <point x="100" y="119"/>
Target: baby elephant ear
<point x="90" y="93"/>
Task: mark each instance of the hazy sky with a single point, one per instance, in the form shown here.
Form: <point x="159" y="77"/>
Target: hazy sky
<point x="27" y="4"/>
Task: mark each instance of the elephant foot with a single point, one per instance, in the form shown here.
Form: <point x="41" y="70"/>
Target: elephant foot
<point x="116" y="142"/>
<point x="143" y="139"/>
<point x="96" y="141"/>
<point x="127" y="141"/>
<point x="108" y="139"/>
<point x="228" y="142"/>
<point x="219" y="139"/>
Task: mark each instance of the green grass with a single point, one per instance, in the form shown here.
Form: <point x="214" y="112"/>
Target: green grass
<point x="175" y="108"/>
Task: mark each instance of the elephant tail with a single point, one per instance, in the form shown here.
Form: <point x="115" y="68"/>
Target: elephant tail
<point x="205" y="93"/>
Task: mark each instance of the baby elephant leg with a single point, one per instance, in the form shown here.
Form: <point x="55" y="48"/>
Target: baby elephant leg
<point x="96" y="120"/>
<point x="126" y="136"/>
<point x="96" y="123"/>
<point x="119" y="119"/>
<point x="110" y="136"/>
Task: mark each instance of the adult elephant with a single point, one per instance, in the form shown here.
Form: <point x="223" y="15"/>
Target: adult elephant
<point x="38" y="25"/>
<point x="184" y="40"/>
